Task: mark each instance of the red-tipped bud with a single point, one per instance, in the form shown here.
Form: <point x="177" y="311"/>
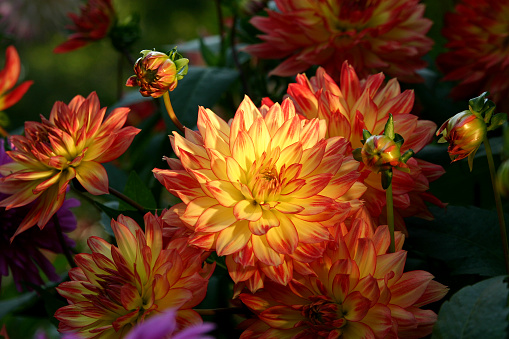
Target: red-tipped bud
<point x="464" y="132"/>
<point x="381" y="153"/>
<point x="157" y="73"/>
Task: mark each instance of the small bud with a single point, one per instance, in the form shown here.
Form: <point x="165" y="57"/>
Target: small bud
<point x="464" y="132"/>
<point x="503" y="179"/>
<point x="381" y="153"/>
<point x="157" y="72"/>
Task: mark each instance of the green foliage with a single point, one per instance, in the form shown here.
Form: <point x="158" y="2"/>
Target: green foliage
<point x="139" y="192"/>
<point x="478" y="311"/>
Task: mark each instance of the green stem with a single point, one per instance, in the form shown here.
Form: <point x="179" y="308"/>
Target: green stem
<point x="171" y="113"/>
<point x="60" y="235"/>
<point x="221" y="30"/>
<point x="498" y="202"/>
<point x="127" y="199"/>
<point x="390" y="217"/>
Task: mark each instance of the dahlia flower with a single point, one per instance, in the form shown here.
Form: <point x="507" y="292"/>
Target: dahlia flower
<point x="34" y="19"/>
<point x="24" y="256"/>
<point x="478" y="57"/>
<point x="262" y="189"/>
<point x="158" y="73"/>
<point x="9" y="77"/>
<point x="358" y="290"/>
<point x="114" y="288"/>
<point x="92" y="24"/>
<point x="356" y="105"/>
<point x="373" y="36"/>
<point x="464" y="132"/>
<point x="71" y="144"/>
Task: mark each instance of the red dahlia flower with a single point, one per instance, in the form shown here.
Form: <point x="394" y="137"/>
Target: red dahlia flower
<point x="263" y="189"/>
<point x="8" y="78"/>
<point x="357" y="290"/>
<point x="92" y="24"/>
<point x="71" y="144"/>
<point x="478" y="56"/>
<point x="388" y="35"/>
<point x="355" y="105"/>
<point x="115" y="288"/>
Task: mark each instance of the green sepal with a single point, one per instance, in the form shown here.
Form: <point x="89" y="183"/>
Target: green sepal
<point x="182" y="67"/>
<point x="398" y="139"/>
<point x="407" y="155"/>
<point x="365" y="135"/>
<point x="476" y="104"/>
<point x="389" y="128"/>
<point x="386" y="178"/>
<point x="488" y="110"/>
<point x="441" y="140"/>
<point x="497" y="120"/>
<point x="471" y="157"/>
<point x="357" y="154"/>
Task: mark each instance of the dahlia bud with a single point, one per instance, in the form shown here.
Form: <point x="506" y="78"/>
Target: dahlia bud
<point x="503" y="179"/>
<point x="464" y="132"/>
<point x="380" y="153"/>
<point x="157" y="72"/>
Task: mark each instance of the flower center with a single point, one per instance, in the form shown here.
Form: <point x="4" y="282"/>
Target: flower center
<point x="323" y="315"/>
<point x="265" y="185"/>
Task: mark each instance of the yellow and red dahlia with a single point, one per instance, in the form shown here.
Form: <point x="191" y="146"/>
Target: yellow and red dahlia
<point x="71" y="144"/>
<point x="478" y="57"/>
<point x="388" y="36"/>
<point x="9" y="77"/>
<point x="356" y="105"/>
<point x="358" y="290"/>
<point x="114" y="288"/>
<point x="259" y="189"/>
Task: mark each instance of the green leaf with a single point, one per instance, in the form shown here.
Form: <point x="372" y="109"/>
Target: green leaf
<point x="389" y="128"/>
<point x="201" y="87"/>
<point x="466" y="239"/>
<point x="477" y="311"/>
<point x="497" y="120"/>
<point x="113" y="213"/>
<point x="16" y="304"/>
<point x="210" y="57"/>
<point x="136" y="189"/>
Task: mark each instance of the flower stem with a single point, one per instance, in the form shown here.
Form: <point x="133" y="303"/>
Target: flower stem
<point x="221" y="30"/>
<point x="63" y="244"/>
<point x="3" y="132"/>
<point x="390" y="217"/>
<point x="126" y="199"/>
<point x="498" y="202"/>
<point x="171" y="113"/>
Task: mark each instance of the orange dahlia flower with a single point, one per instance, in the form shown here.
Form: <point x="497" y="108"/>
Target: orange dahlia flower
<point x="257" y="189"/>
<point x="356" y="105"/>
<point x="92" y="24"/>
<point x="478" y="56"/>
<point x="8" y="77"/>
<point x="374" y="36"/>
<point x="358" y="290"/>
<point x="114" y="288"/>
<point x="71" y="144"/>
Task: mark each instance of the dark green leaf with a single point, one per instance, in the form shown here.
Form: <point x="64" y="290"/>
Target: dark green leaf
<point x="497" y="120"/>
<point x="112" y="213"/>
<point x="466" y="239"/>
<point x="208" y="55"/>
<point x="16" y="304"/>
<point x="477" y="311"/>
<point x="139" y="192"/>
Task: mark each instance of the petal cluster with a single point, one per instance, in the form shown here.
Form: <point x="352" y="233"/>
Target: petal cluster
<point x="9" y="77"/>
<point x="374" y="36"/>
<point x="92" y="24"/>
<point x="114" y="288"/>
<point x="355" y="105"/>
<point x="357" y="290"/>
<point x="24" y="256"/>
<point x="72" y="143"/>
<point x="478" y="57"/>
<point x="261" y="190"/>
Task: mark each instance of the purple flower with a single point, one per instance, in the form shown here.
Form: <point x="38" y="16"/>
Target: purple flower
<point x="23" y="256"/>
<point x="164" y="326"/>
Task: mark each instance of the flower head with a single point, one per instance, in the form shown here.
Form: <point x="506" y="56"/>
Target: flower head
<point x="92" y="24"/>
<point x="71" y="144"/>
<point x="354" y="105"/>
<point x="9" y="77"/>
<point x="157" y="72"/>
<point x="373" y="36"/>
<point x="24" y="255"/>
<point x="478" y="57"/>
<point x="262" y="189"/>
<point x="114" y="288"/>
<point x="357" y="290"/>
<point x="464" y="132"/>
<point x="380" y="153"/>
